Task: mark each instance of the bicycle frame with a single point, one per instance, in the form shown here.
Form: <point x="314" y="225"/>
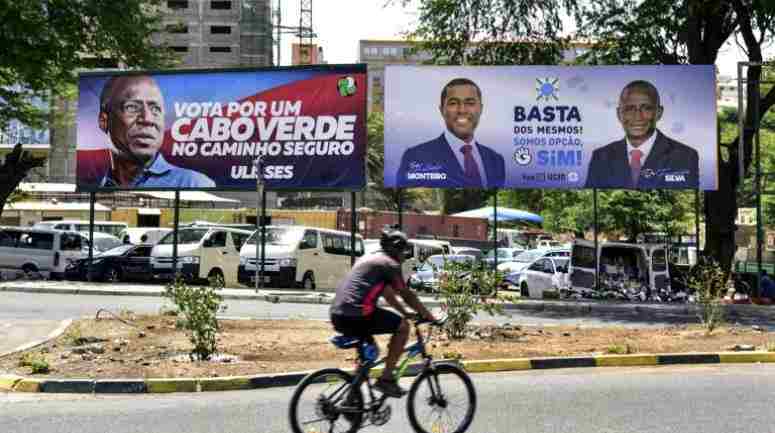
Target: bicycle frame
<point x="362" y="372"/>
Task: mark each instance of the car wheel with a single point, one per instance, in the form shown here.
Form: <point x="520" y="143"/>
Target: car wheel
<point x="523" y="291"/>
<point x="112" y="275"/>
<point x="308" y="282"/>
<point x="30" y="271"/>
<point x="216" y="275"/>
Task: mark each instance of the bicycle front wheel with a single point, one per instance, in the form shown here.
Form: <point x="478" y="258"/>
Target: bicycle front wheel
<point x="326" y="402"/>
<point x="442" y="400"/>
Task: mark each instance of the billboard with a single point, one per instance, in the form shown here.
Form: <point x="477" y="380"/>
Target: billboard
<point x="300" y="128"/>
<point x="623" y="127"/>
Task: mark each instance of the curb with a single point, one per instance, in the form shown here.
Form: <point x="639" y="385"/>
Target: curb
<point x="13" y="383"/>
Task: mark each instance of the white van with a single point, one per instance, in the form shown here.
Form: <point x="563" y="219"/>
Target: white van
<point x="42" y="252"/>
<point x="110" y="227"/>
<point x="633" y="264"/>
<point x="309" y="257"/>
<point x="203" y="252"/>
<point x="143" y="235"/>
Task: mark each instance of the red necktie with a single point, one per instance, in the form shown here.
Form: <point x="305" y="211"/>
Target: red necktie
<point x="470" y="169"/>
<point x="635" y="165"/>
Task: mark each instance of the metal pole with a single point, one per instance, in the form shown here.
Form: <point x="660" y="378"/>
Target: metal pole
<point x="495" y="229"/>
<point x="263" y="238"/>
<point x="176" y="223"/>
<point x="260" y="232"/>
<point x="759" y="237"/>
<point x="353" y="222"/>
<point x="400" y="209"/>
<point x="594" y="228"/>
<point x="697" y="221"/>
<point x="92" y="199"/>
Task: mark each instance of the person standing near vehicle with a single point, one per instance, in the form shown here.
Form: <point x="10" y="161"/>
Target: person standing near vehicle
<point x="354" y="311"/>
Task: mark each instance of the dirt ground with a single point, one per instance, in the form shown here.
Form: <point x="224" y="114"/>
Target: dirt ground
<point x="153" y="347"/>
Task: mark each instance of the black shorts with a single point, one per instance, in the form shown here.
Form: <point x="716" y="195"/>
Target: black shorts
<point x="379" y="322"/>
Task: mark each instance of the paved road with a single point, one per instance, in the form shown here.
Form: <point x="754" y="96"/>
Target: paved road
<point x="708" y="399"/>
<point x="26" y="317"/>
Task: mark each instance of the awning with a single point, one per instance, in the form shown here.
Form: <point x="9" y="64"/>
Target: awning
<point x="58" y="206"/>
<point x="46" y="187"/>
<point x="149" y="211"/>
<point x="504" y="214"/>
<point x="186" y="196"/>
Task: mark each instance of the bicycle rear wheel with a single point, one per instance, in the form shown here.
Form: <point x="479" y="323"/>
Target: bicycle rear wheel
<point x="326" y="402"/>
<point x="442" y="400"/>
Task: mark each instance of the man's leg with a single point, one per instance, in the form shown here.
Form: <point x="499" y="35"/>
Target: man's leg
<point x="395" y="348"/>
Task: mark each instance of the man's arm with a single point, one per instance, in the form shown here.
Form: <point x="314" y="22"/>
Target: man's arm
<point x="408" y="295"/>
<point x="390" y="297"/>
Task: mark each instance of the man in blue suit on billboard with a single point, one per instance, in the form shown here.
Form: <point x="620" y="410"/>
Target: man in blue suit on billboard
<point x="455" y="159"/>
<point x="645" y="158"/>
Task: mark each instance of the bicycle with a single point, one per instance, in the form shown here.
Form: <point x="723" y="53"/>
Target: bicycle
<point x="336" y="395"/>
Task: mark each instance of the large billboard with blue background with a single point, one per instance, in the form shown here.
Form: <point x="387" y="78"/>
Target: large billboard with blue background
<point x="207" y="129"/>
<point x="623" y="127"/>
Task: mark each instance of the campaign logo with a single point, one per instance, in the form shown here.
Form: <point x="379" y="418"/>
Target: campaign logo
<point x="346" y="86"/>
<point x="573" y="176"/>
<point x="548" y="89"/>
<point x="522" y="156"/>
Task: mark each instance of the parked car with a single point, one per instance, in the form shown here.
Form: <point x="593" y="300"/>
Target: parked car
<point x="504" y="255"/>
<point x="102" y="241"/>
<point x="426" y="277"/>
<point x="125" y="262"/>
<point x="143" y="235"/>
<point x="545" y="274"/>
<point x="469" y="251"/>
<point x="523" y="260"/>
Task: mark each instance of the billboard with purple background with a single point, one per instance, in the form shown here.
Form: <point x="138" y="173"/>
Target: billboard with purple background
<point x="207" y="129"/>
<point x="624" y="127"/>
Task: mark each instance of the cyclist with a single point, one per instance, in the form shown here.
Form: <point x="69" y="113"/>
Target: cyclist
<point x="354" y="311"/>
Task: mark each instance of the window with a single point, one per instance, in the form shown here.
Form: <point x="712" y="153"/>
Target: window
<point x="310" y="240"/>
<point x="658" y="263"/>
<point x="537" y="266"/>
<point x="177" y="4"/>
<point x="37" y="241"/>
<point x="71" y="242"/>
<point x="9" y="239"/>
<point x="218" y="239"/>
<point x="62" y="227"/>
<point x="239" y="240"/>
<point x="455" y="230"/>
<point x="220" y="30"/>
<point x="179" y="49"/>
<point x="177" y="28"/>
<point x="220" y="49"/>
<point x="220" y="5"/>
<point x="583" y="257"/>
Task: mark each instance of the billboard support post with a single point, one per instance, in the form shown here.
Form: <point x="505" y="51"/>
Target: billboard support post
<point x="400" y="209"/>
<point x="594" y="229"/>
<point x="495" y="229"/>
<point x="353" y="222"/>
<point x="175" y="235"/>
<point x="92" y="199"/>
<point x="697" y="220"/>
<point x="258" y="163"/>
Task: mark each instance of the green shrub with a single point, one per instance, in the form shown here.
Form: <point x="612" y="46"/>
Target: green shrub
<point x="707" y="280"/>
<point x="199" y="307"/>
<point x="73" y="335"/>
<point x="465" y="289"/>
<point x="618" y="349"/>
<point x="35" y="361"/>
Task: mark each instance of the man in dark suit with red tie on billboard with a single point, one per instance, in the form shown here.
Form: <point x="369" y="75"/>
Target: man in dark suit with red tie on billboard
<point x="645" y="158"/>
<point x="455" y="159"/>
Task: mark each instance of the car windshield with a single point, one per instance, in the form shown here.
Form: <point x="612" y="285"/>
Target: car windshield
<point x="277" y="236"/>
<point x="117" y="251"/>
<point x="105" y="244"/>
<point x="185" y="236"/>
<point x="529" y="256"/>
<point x="502" y="254"/>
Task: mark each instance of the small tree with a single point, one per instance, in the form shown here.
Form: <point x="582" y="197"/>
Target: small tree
<point x="707" y="280"/>
<point x="465" y="289"/>
<point x="199" y="307"/>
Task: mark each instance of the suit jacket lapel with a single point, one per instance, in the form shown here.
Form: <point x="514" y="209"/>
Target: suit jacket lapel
<point x="620" y="163"/>
<point x="449" y="159"/>
<point x="658" y="152"/>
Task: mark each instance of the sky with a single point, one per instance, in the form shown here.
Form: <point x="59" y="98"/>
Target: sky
<point x="340" y="24"/>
